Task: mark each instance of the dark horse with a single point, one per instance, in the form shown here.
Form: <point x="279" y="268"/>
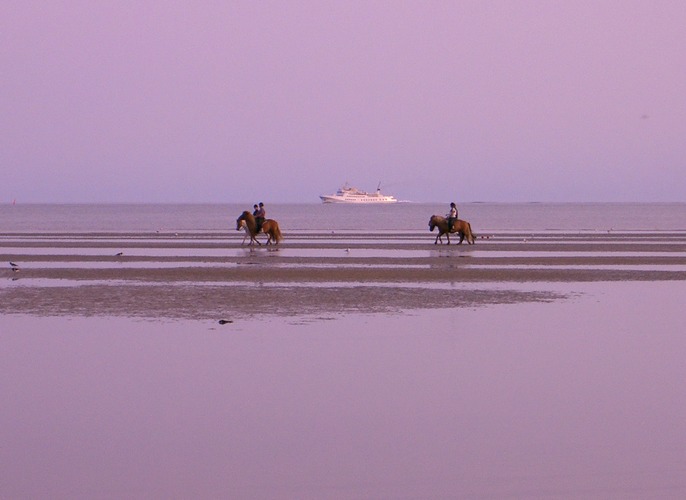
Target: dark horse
<point x="461" y="227"/>
<point x="269" y="227"/>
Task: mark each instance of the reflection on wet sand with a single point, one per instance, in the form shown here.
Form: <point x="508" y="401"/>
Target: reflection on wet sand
<point x="574" y="398"/>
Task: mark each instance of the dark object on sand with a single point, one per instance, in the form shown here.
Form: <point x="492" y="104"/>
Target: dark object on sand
<point x="225" y="321"/>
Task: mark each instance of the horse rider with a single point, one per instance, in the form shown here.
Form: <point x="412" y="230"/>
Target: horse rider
<point x="260" y="214"/>
<point x="452" y="216"/>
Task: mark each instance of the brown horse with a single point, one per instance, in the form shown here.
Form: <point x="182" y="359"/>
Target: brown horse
<point x="270" y="227"/>
<point x="461" y="227"/>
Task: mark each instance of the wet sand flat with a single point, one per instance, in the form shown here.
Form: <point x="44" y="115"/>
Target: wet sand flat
<point x="525" y="366"/>
<point x="205" y="276"/>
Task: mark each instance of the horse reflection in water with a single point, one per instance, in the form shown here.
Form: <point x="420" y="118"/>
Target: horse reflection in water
<point x="461" y="227"/>
<point x="270" y="227"/>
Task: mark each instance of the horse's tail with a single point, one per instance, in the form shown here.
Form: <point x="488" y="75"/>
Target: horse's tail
<point x="277" y="233"/>
<point x="271" y="227"/>
<point x="472" y="236"/>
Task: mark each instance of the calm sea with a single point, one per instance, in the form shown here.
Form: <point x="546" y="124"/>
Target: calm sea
<point x="335" y="217"/>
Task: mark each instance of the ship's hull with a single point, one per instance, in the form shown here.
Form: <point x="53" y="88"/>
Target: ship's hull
<point x="358" y="200"/>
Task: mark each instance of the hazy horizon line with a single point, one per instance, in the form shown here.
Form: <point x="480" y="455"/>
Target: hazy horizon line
<point x="400" y="202"/>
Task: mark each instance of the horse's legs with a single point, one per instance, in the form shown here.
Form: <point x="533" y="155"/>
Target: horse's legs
<point x="461" y="238"/>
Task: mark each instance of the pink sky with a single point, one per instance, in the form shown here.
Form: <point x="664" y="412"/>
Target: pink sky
<point x="282" y="101"/>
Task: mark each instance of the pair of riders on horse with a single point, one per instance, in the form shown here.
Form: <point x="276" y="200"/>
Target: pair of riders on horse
<point x="260" y="215"/>
<point x="452" y="216"/>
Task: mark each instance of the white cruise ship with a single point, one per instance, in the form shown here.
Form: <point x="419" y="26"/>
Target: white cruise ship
<point x="348" y="194"/>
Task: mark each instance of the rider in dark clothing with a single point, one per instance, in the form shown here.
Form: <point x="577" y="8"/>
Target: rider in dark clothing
<point x="255" y="212"/>
<point x="260" y="215"/>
